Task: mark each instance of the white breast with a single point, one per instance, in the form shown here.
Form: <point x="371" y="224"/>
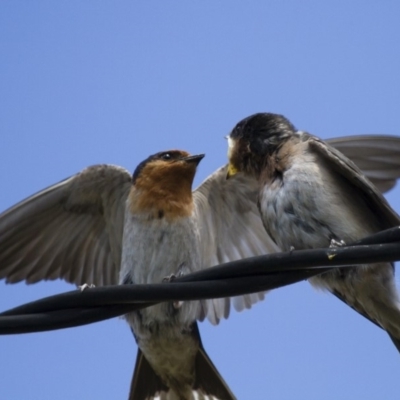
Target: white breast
<point x="154" y="248"/>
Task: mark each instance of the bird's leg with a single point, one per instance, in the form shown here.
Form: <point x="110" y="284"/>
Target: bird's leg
<point x="86" y="286"/>
<point x="176" y="304"/>
<point x="169" y="278"/>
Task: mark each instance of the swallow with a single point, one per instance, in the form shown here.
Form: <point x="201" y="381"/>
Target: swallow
<point x="160" y="239"/>
<point x="312" y="196"/>
<point x="106" y="226"/>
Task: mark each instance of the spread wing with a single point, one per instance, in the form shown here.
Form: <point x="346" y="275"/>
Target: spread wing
<point x="350" y="172"/>
<point x="230" y="229"/>
<point x="71" y="230"/>
<point x="378" y="156"/>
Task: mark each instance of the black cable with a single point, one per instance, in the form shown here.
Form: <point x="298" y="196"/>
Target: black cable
<point x="250" y="275"/>
<point x="43" y="315"/>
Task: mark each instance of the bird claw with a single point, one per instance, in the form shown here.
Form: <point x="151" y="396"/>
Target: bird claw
<point x="85" y="286"/>
<point x="169" y="278"/>
<point x="176" y="304"/>
<point x="335" y="243"/>
<point x="172" y="277"/>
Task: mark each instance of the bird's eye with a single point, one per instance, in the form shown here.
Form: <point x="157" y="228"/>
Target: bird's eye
<point x="166" y="156"/>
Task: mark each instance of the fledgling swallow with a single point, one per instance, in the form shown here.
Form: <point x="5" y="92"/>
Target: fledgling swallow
<point x="312" y="196"/>
<point x="89" y="228"/>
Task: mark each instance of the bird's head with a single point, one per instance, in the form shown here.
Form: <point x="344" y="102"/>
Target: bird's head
<point x="254" y="139"/>
<point x="164" y="180"/>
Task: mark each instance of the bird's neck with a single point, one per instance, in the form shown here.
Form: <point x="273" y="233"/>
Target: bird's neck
<point x="168" y="199"/>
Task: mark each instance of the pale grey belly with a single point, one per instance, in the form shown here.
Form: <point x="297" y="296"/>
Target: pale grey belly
<point x="307" y="213"/>
<point x="153" y="251"/>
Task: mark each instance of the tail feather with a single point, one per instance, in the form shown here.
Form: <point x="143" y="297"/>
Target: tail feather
<point x="396" y="341"/>
<point x="208" y="383"/>
<point x="145" y="385"/>
<point x="208" y="380"/>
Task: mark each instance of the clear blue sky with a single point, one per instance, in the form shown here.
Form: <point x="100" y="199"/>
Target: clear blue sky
<point x="85" y="82"/>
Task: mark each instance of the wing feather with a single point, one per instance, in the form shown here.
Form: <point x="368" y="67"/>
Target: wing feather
<point x="71" y="230"/>
<point x="378" y="156"/>
<point x="230" y="229"/>
<point x="350" y="172"/>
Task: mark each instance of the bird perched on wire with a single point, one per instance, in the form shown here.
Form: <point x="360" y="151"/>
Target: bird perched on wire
<point x="105" y="226"/>
<point x="161" y="239"/>
<point x="312" y="196"/>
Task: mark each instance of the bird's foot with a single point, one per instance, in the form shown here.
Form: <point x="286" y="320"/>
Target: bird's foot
<point x="169" y="278"/>
<point x="335" y="243"/>
<point x="85" y="286"/>
<point x="176" y="304"/>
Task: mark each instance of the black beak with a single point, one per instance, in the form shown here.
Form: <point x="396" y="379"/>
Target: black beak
<point x="194" y="159"/>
